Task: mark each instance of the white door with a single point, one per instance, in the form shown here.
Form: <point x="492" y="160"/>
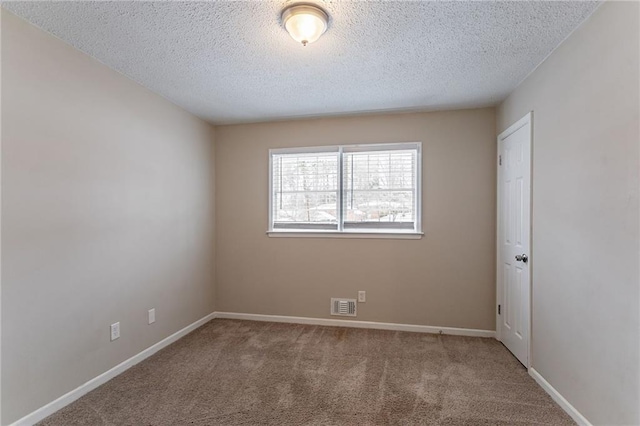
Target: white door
<point x="514" y="227"/>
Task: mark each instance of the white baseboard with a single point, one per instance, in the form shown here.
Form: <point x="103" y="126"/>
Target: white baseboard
<point x="82" y="390"/>
<point x="68" y="398"/>
<point x="359" y="324"/>
<point x="555" y="395"/>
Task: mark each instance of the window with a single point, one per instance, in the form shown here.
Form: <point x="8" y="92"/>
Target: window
<point x="346" y="189"/>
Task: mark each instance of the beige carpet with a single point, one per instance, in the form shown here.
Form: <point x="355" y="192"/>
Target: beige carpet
<point x="231" y="372"/>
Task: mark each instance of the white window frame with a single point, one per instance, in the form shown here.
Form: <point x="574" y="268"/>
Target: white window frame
<point x="415" y="233"/>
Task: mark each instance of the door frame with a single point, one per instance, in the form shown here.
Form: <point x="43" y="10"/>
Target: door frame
<point x="527" y="120"/>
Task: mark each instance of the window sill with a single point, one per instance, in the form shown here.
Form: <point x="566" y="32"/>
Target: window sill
<point x="346" y="234"/>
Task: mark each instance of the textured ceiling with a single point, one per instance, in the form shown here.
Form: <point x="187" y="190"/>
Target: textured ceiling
<point x="233" y="62"/>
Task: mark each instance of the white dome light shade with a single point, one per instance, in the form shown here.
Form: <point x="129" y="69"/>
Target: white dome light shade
<point x="305" y="23"/>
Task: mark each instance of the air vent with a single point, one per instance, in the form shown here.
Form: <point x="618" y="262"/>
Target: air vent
<point x="343" y="307"/>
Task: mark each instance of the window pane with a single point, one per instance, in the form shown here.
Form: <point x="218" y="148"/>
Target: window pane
<point x="368" y="187"/>
<point x="379" y="189"/>
<point x="305" y="190"/>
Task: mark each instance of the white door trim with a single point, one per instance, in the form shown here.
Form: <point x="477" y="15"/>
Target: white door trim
<point x="524" y="121"/>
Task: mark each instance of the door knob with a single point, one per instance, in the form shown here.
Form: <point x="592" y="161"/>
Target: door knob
<point x="522" y="258"/>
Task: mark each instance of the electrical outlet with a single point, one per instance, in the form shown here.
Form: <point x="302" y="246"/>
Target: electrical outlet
<point x="152" y="315"/>
<point x="362" y="296"/>
<point x="115" y="331"/>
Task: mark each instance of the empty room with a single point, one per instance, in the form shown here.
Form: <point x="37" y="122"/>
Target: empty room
<point x="319" y="213"/>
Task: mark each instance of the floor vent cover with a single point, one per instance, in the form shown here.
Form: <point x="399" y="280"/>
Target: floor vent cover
<point x="343" y="307"/>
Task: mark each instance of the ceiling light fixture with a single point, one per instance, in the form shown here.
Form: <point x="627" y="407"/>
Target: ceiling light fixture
<point x="305" y="22"/>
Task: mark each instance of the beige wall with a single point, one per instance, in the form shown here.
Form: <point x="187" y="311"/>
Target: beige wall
<point x="445" y="279"/>
<point x="107" y="210"/>
<point x="585" y="255"/>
